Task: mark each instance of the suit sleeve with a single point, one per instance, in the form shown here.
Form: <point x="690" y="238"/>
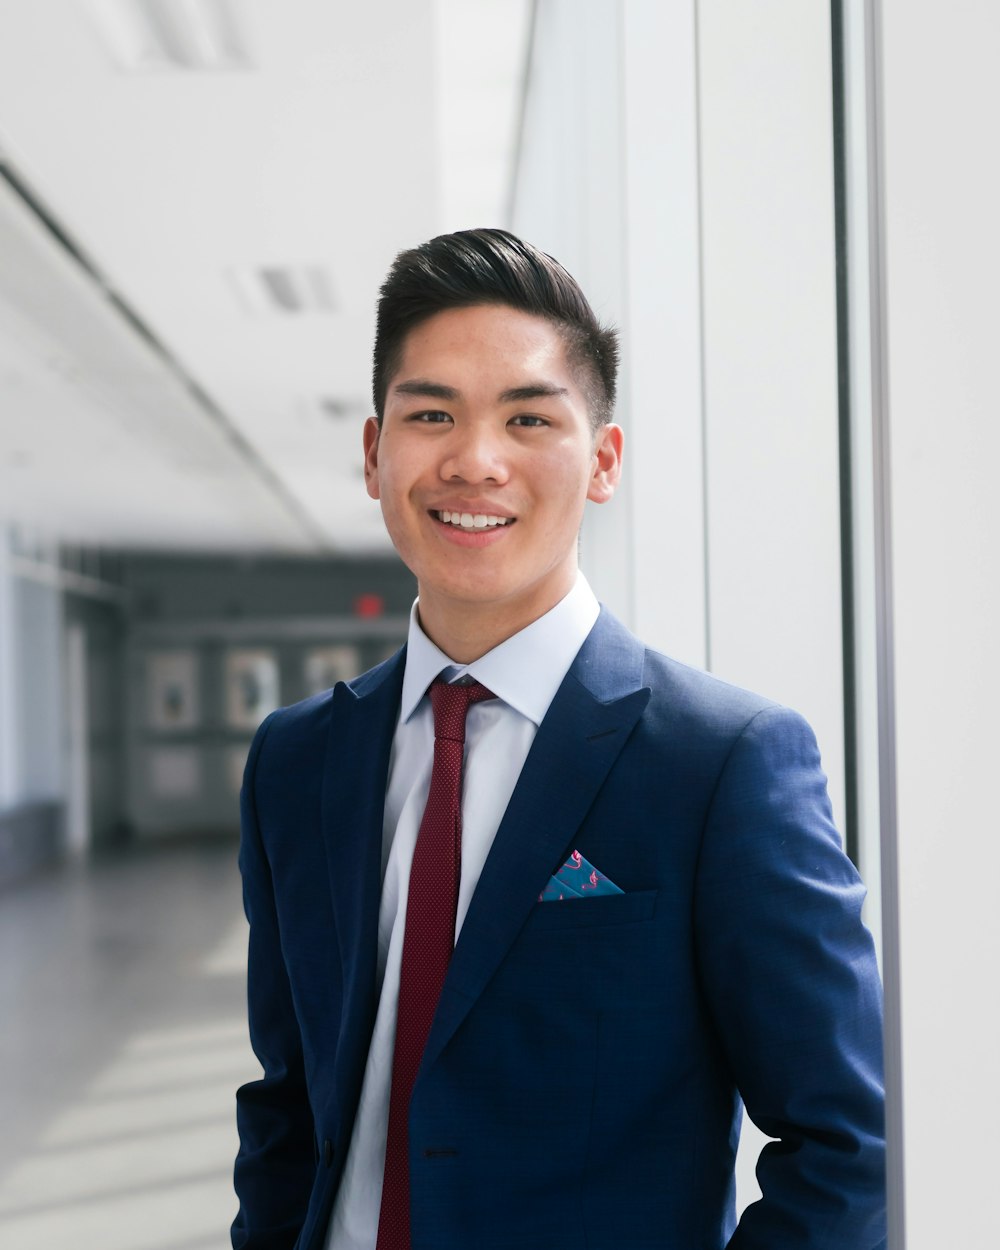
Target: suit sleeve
<point x="275" y="1167"/>
<point x="791" y="981"/>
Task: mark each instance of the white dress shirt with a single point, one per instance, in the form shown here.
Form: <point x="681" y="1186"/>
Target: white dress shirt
<point x="524" y="672"/>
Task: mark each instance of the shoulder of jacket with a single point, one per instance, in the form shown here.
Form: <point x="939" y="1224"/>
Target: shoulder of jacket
<point x="700" y="699"/>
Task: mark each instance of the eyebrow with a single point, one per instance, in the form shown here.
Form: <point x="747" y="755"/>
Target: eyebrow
<point x="426" y="389"/>
<point x="536" y="390"/>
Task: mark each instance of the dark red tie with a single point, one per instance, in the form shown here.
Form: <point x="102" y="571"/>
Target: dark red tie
<point x="428" y="940"/>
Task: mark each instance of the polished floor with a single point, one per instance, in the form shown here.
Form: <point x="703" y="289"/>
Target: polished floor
<point x="122" y="1039"/>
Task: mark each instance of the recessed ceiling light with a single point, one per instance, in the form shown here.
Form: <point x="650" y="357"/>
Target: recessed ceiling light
<point x="172" y="34"/>
<point x="268" y="289"/>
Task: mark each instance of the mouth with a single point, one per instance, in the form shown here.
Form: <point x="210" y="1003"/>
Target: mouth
<point x="471" y="521"/>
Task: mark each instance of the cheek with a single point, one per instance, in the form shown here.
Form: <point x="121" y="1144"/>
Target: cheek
<point x="391" y="485"/>
<point x="564" y="486"/>
<point x="402" y="468"/>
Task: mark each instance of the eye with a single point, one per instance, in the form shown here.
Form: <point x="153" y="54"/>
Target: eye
<point x="528" y="421"/>
<point x="433" y="417"/>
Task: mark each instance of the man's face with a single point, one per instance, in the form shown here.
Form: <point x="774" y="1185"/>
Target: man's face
<point x="485" y="458"/>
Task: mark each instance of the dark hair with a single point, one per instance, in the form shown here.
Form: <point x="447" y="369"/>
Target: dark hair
<point x="491" y="266"/>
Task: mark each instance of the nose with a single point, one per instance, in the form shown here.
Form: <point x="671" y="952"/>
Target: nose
<point x="475" y="454"/>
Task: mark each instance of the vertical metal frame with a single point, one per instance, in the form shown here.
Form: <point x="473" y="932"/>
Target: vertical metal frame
<point x="845" y="417"/>
<point x="868" y="615"/>
<point x="881" y="453"/>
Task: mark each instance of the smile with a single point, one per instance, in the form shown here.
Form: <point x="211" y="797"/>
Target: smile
<point x="472" y="520"/>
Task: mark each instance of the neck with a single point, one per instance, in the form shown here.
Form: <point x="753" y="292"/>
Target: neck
<point x="465" y="631"/>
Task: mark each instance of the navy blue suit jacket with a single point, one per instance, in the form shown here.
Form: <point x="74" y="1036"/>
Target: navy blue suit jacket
<point x="582" y="1083"/>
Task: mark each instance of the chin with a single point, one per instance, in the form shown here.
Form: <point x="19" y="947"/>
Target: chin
<point x="463" y="592"/>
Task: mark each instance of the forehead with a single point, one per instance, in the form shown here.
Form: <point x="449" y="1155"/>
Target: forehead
<point x="485" y="337"/>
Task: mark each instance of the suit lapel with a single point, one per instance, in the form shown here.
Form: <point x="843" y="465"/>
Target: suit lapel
<point x="588" y="723"/>
<point x="362" y="725"/>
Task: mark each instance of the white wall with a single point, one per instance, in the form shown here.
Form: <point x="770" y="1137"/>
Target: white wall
<point x="39" y="698"/>
<point x="9" y="753"/>
<point x="662" y="328"/>
<point x="771" y="358"/>
<point x="941" y="98"/>
<point x="31" y="693"/>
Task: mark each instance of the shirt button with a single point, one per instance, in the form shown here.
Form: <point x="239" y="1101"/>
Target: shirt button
<point x="328" y="1153"/>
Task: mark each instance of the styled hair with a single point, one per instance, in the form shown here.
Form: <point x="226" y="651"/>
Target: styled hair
<point x="492" y="266"/>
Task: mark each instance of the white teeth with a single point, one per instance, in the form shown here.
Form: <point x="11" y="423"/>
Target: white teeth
<point x="470" y="520"/>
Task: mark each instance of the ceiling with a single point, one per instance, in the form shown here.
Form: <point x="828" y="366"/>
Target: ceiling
<point x="190" y="256"/>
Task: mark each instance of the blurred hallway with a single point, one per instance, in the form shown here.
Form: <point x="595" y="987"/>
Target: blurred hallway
<point x="118" y="1124"/>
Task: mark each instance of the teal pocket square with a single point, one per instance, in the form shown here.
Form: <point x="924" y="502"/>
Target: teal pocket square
<point x="577" y="878"/>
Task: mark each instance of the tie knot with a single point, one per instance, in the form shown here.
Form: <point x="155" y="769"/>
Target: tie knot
<point x="451" y="703"/>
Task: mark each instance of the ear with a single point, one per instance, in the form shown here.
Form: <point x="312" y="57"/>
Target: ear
<point x="607" y="463"/>
<point x="371" y="439"/>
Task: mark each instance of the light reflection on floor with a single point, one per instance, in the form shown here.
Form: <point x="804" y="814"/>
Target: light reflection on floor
<point x="124" y="1140"/>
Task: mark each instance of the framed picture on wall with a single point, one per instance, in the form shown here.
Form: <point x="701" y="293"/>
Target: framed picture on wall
<point x="172" y="690"/>
<point x="325" y="666"/>
<point x="251" y="684"/>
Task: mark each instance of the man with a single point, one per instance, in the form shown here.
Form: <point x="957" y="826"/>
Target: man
<point x="533" y="908"/>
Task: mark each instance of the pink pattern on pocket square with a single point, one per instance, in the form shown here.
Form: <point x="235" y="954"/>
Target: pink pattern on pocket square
<point x="575" y="879"/>
<point x="575" y="863"/>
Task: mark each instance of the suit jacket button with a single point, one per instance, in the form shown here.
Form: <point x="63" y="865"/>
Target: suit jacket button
<point x="328" y="1153"/>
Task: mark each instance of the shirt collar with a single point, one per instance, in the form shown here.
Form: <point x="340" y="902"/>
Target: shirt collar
<point x="525" y="670"/>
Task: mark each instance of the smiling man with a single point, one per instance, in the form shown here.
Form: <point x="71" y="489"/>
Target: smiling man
<point x="534" y="910"/>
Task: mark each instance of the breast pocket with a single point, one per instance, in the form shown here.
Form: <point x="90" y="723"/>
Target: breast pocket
<point x="577" y="958"/>
<point x="585" y="913"/>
